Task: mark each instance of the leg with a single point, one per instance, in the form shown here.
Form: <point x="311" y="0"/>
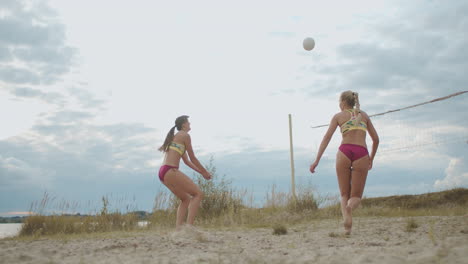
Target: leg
<point x="343" y="172"/>
<point x="189" y="193"/>
<point x="358" y="181"/>
<point x="182" y="211"/>
<point x="170" y="180"/>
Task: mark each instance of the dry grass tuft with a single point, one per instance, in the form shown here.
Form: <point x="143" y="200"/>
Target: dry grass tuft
<point x="279" y="229"/>
<point x="39" y="223"/>
<point x="411" y="225"/>
<point x="449" y="198"/>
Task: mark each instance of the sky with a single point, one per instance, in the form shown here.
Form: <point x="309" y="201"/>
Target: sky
<point x="89" y="90"/>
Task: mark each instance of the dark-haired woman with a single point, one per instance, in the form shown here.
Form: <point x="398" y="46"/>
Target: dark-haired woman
<point x="179" y="146"/>
<point x="352" y="160"/>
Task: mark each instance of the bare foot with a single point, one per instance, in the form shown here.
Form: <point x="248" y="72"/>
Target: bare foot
<point x="348" y="220"/>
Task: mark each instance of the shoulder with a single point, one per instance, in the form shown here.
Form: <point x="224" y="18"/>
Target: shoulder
<point x="364" y="114"/>
<point x="183" y="135"/>
<point x="337" y="117"/>
<point x="340" y="115"/>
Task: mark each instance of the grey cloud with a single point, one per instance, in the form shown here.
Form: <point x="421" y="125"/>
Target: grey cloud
<point x="85" y="98"/>
<point x="56" y="130"/>
<point x="77" y="160"/>
<point x="30" y="167"/>
<point x="12" y="74"/>
<point x="88" y="149"/>
<point x="12" y="170"/>
<point x="415" y="56"/>
<point x="36" y="25"/>
<point x="119" y="145"/>
<point x="35" y="38"/>
<point x="17" y="31"/>
<point x="70" y="117"/>
<point x="49" y="97"/>
<point x="27" y="92"/>
<point x="43" y="54"/>
<point x="5" y="54"/>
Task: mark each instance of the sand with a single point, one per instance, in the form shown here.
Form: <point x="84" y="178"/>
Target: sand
<point x="437" y="239"/>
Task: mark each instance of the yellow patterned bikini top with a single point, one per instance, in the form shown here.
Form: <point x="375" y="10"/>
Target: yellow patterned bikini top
<point x="180" y="148"/>
<point x="350" y="124"/>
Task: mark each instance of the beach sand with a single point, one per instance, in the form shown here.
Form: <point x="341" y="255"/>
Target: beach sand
<point x="437" y="239"/>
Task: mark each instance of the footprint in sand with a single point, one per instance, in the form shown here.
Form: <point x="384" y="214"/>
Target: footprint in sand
<point x="190" y="233"/>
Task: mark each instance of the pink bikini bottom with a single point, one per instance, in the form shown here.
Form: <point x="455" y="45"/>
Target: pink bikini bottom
<point x="163" y="170"/>
<point x="353" y="152"/>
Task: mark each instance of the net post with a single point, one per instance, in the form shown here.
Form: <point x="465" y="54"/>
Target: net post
<point x="293" y="184"/>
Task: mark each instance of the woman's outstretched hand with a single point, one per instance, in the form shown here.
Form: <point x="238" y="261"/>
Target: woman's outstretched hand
<point x="206" y="175"/>
<point x="313" y="166"/>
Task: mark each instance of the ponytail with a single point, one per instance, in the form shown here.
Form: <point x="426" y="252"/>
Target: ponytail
<point x="170" y="135"/>
<point x="168" y="140"/>
<point x="357" y="109"/>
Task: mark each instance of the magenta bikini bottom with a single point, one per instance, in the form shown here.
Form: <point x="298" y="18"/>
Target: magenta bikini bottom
<point x="163" y="170"/>
<point x="353" y="152"/>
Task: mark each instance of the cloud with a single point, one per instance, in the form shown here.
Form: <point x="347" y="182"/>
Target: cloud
<point x="48" y="97"/>
<point x="68" y="116"/>
<point x="18" y="171"/>
<point x="32" y="41"/>
<point x="82" y="97"/>
<point x="34" y="56"/>
<point x="410" y="56"/>
<point x="85" y="98"/>
<point x="12" y="74"/>
<point x="68" y="156"/>
<point x="456" y="175"/>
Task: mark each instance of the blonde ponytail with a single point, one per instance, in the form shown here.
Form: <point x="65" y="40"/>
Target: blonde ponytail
<point x="357" y="109"/>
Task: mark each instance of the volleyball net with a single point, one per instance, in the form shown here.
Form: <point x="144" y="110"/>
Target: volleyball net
<point x="440" y="121"/>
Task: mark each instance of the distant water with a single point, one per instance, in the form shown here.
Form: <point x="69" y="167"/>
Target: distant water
<point x="142" y="223"/>
<point x="8" y="230"/>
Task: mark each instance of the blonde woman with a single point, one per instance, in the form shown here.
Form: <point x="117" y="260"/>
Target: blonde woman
<point x="179" y="146"/>
<point x="352" y="160"/>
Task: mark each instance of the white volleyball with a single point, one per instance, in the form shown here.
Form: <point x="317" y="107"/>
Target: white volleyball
<point x="308" y="43"/>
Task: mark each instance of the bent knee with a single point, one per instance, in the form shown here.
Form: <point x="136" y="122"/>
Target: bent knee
<point x="345" y="195"/>
<point x="356" y="196"/>
<point x="185" y="199"/>
<point x="198" y="194"/>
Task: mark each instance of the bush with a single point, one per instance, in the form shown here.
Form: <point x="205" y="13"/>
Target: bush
<point x="219" y="197"/>
<point x="304" y="201"/>
<point x="279" y="229"/>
